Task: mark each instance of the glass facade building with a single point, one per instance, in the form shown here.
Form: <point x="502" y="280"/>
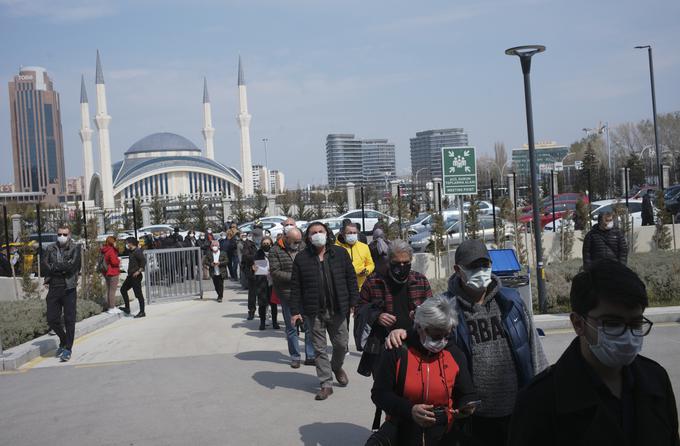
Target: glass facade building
<point x="426" y="151"/>
<point x="359" y="161"/>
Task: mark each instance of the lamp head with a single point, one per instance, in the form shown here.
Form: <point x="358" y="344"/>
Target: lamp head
<point x="642" y="47"/>
<point x="525" y="51"/>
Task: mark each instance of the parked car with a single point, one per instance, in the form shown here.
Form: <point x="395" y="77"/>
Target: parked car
<point x="424" y="241"/>
<point x="370" y="217"/>
<point x="270" y="228"/>
<point x="546" y="214"/>
<point x="602" y="206"/>
<point x="671" y="198"/>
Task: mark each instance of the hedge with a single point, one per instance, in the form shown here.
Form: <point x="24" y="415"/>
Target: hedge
<point x="24" y="320"/>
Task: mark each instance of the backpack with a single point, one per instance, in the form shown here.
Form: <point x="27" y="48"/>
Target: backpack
<point x="102" y="266"/>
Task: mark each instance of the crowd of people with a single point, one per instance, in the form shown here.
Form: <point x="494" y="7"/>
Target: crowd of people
<point x="464" y="367"/>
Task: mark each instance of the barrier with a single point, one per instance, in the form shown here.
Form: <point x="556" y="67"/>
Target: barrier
<point x="173" y="274"/>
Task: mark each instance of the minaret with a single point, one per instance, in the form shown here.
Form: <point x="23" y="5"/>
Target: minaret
<point x="102" y="119"/>
<point x="208" y="130"/>
<point x="243" y="119"/>
<point x="86" y="138"/>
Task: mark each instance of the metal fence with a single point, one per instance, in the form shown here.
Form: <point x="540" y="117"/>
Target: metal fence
<point x="173" y="273"/>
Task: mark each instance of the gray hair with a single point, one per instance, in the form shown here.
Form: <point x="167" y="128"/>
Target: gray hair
<point x="436" y="313"/>
<point x="398" y="246"/>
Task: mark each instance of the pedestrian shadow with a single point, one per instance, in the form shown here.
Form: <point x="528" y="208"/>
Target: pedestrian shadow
<point x="268" y="333"/>
<point x="287" y="380"/>
<point x="333" y="434"/>
<point x="238" y="300"/>
<point x="264" y="356"/>
<point x="236" y="315"/>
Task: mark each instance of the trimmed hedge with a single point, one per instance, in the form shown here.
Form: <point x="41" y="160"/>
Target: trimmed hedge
<point x="24" y="320"/>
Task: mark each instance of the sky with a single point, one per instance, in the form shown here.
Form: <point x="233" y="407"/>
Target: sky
<point x="378" y="69"/>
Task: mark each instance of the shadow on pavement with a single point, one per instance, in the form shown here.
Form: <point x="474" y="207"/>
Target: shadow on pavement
<point x="288" y="380"/>
<point x="263" y="355"/>
<point x="333" y="434"/>
<point x="236" y="315"/>
<point x="268" y="333"/>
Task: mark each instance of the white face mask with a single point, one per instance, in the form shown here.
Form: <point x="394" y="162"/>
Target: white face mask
<point x="62" y="239"/>
<point x="616" y="351"/>
<point x="477" y="279"/>
<point x="351" y="238"/>
<point x="609" y="225"/>
<point x="434" y="346"/>
<point x="318" y="239"/>
<point x="215" y="248"/>
<point x="287" y="228"/>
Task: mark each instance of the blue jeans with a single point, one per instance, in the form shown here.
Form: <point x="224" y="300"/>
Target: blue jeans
<point x="293" y="338"/>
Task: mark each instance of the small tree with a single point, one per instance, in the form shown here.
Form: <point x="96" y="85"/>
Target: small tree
<point x="182" y="218"/>
<point x="302" y="212"/>
<point x="138" y="212"/>
<point x="285" y="202"/>
<point x="200" y="213"/>
<point x="91" y="281"/>
<point x="438" y="231"/>
<point x="662" y="237"/>
<point x="259" y="205"/>
<point x="339" y="200"/>
<point x="239" y="210"/>
<point x="472" y="225"/>
<point x="157" y="210"/>
<point x="582" y="217"/>
<point x="317" y="200"/>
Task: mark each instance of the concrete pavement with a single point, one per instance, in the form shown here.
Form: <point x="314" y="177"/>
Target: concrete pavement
<point x="195" y="372"/>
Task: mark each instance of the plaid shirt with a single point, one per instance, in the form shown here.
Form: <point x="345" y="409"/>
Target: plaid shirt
<point x="375" y="289"/>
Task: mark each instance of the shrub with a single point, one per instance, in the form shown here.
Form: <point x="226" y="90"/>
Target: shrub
<point x="24" y="320"/>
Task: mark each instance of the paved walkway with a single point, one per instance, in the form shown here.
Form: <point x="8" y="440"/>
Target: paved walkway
<point x="195" y="372"/>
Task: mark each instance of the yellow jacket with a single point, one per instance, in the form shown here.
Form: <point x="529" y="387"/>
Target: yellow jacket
<point x="361" y="259"/>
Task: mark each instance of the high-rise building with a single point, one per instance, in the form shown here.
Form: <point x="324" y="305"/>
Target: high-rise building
<point x="547" y="154"/>
<point x="359" y="161"/>
<point x="277" y="183"/>
<point x="426" y="151"/>
<point x="37" y="144"/>
<point x="260" y="178"/>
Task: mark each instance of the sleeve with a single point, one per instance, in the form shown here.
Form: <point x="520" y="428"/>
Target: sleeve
<point x="351" y="277"/>
<point x="141" y="258"/>
<point x="295" y="288"/>
<point x="384" y="382"/>
<point x="46" y="267"/>
<point x="463" y="389"/>
<point x="206" y="261"/>
<point x="623" y="249"/>
<point x="586" y="251"/>
<point x="365" y="295"/>
<point x="73" y="265"/>
<point x="113" y="260"/>
<point x="223" y="260"/>
<point x="538" y="358"/>
<point x="428" y="288"/>
<point x="368" y="260"/>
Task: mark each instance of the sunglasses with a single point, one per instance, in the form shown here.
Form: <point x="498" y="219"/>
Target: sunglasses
<point x="64" y="234"/>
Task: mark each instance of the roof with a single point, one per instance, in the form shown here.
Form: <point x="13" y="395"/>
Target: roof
<point x="137" y="167"/>
<point x="161" y="142"/>
<point x="99" y="77"/>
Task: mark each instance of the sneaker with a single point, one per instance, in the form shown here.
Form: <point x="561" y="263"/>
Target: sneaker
<point x="113" y="311"/>
<point x="65" y="355"/>
<point x="140" y="314"/>
<point x="60" y="350"/>
<point x="124" y="310"/>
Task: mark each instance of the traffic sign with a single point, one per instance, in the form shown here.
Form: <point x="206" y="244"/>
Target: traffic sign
<point x="459" y="171"/>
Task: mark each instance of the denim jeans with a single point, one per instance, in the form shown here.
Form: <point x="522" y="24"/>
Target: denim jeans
<point x="293" y="337"/>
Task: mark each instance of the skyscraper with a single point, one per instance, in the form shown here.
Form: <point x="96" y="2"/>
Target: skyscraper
<point x="359" y="161"/>
<point x="37" y="143"/>
<point x="426" y="151"/>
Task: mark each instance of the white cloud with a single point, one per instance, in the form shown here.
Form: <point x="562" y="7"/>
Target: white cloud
<point x="59" y="10"/>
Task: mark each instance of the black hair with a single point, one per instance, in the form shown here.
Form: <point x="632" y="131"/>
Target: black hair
<point x="131" y="240"/>
<point x="607" y="280"/>
<point x="602" y="215"/>
<point x="330" y="238"/>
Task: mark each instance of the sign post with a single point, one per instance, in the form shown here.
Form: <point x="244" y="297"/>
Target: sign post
<point x="459" y="177"/>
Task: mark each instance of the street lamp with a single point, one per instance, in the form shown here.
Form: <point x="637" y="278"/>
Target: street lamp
<point x="656" y="128"/>
<point x="525" y="54"/>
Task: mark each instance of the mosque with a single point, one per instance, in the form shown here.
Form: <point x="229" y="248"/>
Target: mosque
<point x="161" y="164"/>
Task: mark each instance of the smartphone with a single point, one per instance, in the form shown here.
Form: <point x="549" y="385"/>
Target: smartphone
<point x="474" y="404"/>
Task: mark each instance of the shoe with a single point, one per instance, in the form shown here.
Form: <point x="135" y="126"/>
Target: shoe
<point x="113" y="310"/>
<point x="124" y="310"/>
<point x="276" y="326"/>
<point x="219" y="299"/>
<point x="324" y="393"/>
<point x="60" y="350"/>
<point x="309" y="361"/>
<point x="65" y="355"/>
<point x="262" y="325"/>
<point x="251" y="315"/>
<point x="341" y="377"/>
<point x="295" y="363"/>
<point x="140" y="314"/>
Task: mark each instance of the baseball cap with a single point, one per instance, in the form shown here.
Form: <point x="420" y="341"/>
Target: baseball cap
<point x="470" y="251"/>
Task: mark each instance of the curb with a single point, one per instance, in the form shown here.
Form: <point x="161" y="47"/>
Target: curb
<point x="17" y="356"/>
<point x="657" y="315"/>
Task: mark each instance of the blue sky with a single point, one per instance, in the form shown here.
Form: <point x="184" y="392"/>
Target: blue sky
<point x="380" y="69"/>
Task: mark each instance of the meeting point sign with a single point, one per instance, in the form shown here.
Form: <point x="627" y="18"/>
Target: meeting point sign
<point x="459" y="171"/>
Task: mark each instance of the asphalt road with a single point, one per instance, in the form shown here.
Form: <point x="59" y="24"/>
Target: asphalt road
<point x="195" y="372"/>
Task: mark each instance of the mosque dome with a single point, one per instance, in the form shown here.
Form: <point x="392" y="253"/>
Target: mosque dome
<point x="163" y="142"/>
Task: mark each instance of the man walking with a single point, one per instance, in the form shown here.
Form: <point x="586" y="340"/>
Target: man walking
<point x="604" y="241"/>
<point x="601" y="391"/>
<point x="61" y="265"/>
<point x="281" y="259"/>
<point x="133" y="280"/>
<point x="250" y="247"/>
<point x="324" y="288"/>
<point x="496" y="333"/>
<point x="358" y="253"/>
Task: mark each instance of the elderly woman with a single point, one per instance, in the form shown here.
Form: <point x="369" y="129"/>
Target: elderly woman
<point x="424" y="387"/>
<point x="387" y="301"/>
<point x="215" y="261"/>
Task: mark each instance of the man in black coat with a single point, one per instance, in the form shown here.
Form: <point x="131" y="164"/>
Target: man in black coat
<point x="323" y="291"/>
<point x="601" y="391"/>
<point x="250" y="247"/>
<point x="604" y="241"/>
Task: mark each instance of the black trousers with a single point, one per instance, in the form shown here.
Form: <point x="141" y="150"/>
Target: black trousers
<point x="252" y="294"/>
<point x="484" y="431"/>
<point x="62" y="301"/>
<point x="136" y="284"/>
<point x="218" y="281"/>
<point x="233" y="266"/>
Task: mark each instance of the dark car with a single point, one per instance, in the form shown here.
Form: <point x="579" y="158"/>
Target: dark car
<point x="671" y="198"/>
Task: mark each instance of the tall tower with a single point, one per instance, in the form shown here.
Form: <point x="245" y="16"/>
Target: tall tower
<point x="86" y="138"/>
<point x="102" y="119"/>
<point x="243" y="119"/>
<point x="208" y="130"/>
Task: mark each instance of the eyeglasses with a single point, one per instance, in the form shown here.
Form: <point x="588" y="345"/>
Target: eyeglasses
<point x="613" y="327"/>
<point x="62" y="234"/>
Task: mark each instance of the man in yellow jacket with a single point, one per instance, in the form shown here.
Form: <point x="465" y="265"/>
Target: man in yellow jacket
<point x="358" y="252"/>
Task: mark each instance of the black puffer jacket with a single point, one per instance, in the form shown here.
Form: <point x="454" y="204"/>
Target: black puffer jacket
<point x="281" y="270"/>
<point x="604" y="244"/>
<point x="305" y="289"/>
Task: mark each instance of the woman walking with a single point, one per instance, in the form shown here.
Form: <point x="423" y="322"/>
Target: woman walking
<point x="216" y="263"/>
<point x="263" y="285"/>
<point x="112" y="262"/>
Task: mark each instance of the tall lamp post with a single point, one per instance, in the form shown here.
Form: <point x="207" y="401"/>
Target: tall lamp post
<point x="525" y="53"/>
<point x="656" y="128"/>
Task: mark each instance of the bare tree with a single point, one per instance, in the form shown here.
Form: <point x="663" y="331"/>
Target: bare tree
<point x="500" y="158"/>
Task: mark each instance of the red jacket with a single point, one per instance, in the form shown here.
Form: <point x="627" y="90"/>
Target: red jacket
<point x="112" y="260"/>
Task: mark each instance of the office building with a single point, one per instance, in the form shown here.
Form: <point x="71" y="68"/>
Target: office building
<point x="426" y="151"/>
<point x="359" y="161"/>
<point x="277" y="183"/>
<point x="547" y="154"/>
<point x="260" y="178"/>
<point x="37" y="144"/>
<point x="379" y="164"/>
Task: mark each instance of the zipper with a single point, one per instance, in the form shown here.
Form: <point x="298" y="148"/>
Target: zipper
<point x="427" y="384"/>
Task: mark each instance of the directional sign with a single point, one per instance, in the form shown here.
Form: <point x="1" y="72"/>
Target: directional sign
<point x="459" y="171"/>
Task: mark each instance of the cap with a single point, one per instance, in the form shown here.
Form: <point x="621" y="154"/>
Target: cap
<point x="470" y="251"/>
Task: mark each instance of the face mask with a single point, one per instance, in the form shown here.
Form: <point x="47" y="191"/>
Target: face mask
<point x="318" y="239"/>
<point x="609" y="225"/>
<point x="62" y="239"/>
<point x="351" y="238"/>
<point x="616" y="351"/>
<point x="202" y="238"/>
<point x="434" y="346"/>
<point x="266" y="248"/>
<point x="209" y="231"/>
<point x="477" y="279"/>
<point x="215" y="248"/>
<point x="287" y="228"/>
<point x="399" y="272"/>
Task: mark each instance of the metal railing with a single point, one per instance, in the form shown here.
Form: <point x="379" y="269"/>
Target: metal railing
<point x="173" y="273"/>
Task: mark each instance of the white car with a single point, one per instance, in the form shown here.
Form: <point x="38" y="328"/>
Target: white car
<point x="599" y="207"/>
<point x="485" y="208"/>
<point x="425" y="224"/>
<point x="270" y="228"/>
<point x="424" y="242"/>
<point x="155" y="229"/>
<point x="370" y="217"/>
<point x="334" y="224"/>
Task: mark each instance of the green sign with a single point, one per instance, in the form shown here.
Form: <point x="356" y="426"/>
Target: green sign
<point x="459" y="171"/>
